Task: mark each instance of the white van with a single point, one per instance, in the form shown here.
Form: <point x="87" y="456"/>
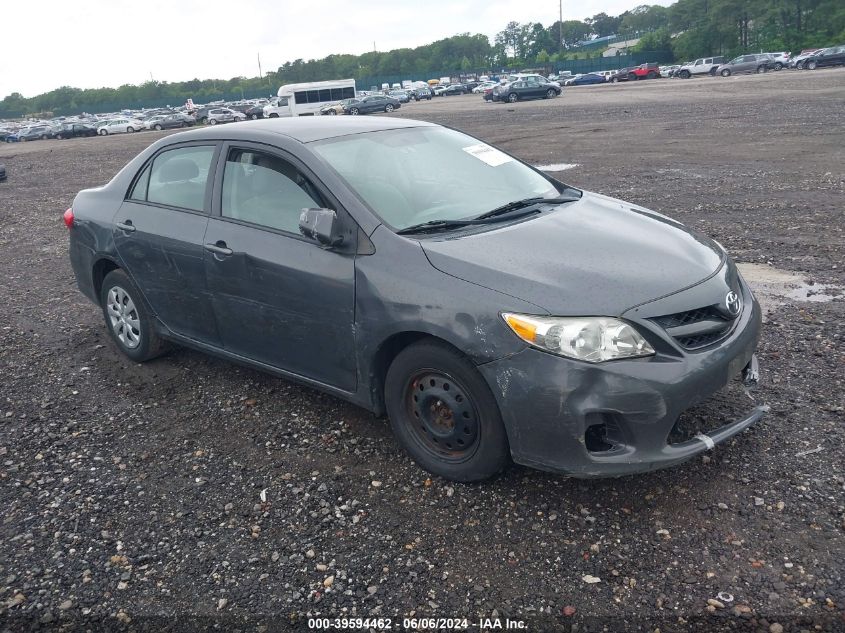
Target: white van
<point x="306" y="99"/>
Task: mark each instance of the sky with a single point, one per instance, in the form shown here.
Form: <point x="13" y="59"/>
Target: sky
<point x="99" y="43"/>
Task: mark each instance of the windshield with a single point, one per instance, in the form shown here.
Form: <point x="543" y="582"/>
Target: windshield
<point x="414" y="175"/>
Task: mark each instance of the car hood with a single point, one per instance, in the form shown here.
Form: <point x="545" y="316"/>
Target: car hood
<point x="598" y="256"/>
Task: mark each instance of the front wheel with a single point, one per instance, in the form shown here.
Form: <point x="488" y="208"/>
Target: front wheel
<point x="685" y="74"/>
<point x="761" y="69"/>
<point x="212" y="121"/>
<point x="614" y="80"/>
<point x="129" y="323"/>
<point x="652" y="75"/>
<point x="550" y="93"/>
<point x="354" y="111"/>
<point x="388" y="108"/>
<point x="44" y="137"/>
<point x="811" y="65"/>
<point x="103" y="132"/>
<point x="513" y="97"/>
<point x="778" y="66"/>
<point x="158" y="127"/>
<point x="130" y="129"/>
<point x="443" y="413"/>
<point x="726" y="73"/>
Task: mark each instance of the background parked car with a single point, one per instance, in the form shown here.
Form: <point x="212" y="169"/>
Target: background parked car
<point x="524" y="89"/>
<point x="372" y="103"/>
<point x="668" y="71"/>
<point x="35" y="133"/>
<point x="833" y="56"/>
<point x="644" y="71"/>
<point x="337" y="108"/>
<point x="172" y="121"/>
<point x="754" y="63"/>
<point x="73" y="130"/>
<point x="452" y="89"/>
<point x="701" y="66"/>
<point x="422" y="93"/>
<point x="119" y="126"/>
<point x="586" y="79"/>
<point x="255" y="112"/>
<point x="400" y="95"/>
<point x="780" y="59"/>
<point x="224" y="115"/>
<point x="798" y="60"/>
<point x="623" y="74"/>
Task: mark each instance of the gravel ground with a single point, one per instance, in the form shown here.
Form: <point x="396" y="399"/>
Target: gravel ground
<point x="192" y="492"/>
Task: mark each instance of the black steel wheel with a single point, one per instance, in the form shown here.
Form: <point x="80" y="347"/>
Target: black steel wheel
<point x="444" y="414"/>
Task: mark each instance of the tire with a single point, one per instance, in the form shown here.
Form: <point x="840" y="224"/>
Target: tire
<point x="614" y="80"/>
<point x="513" y="97"/>
<point x="388" y="108"/>
<point x="331" y="113"/>
<point x="778" y="66"/>
<point x="726" y="73"/>
<point x="427" y="385"/>
<point x="158" y="127"/>
<point x="59" y="137"/>
<point x="761" y="69"/>
<point x="274" y="116"/>
<point x="799" y="65"/>
<point x="44" y="137"/>
<point x="103" y="132"/>
<point x="130" y="129"/>
<point x="253" y="116"/>
<point x="354" y="111"/>
<point x="632" y="77"/>
<point x="810" y="65"/>
<point x="685" y="74"/>
<point x="212" y="121"/>
<point x="652" y="75"/>
<point x="129" y="323"/>
<point x="551" y="93"/>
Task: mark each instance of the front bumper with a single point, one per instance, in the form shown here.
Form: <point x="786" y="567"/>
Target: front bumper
<point x="549" y="402"/>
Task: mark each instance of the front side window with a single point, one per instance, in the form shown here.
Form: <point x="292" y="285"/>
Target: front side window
<point x="178" y="178"/>
<point x="265" y="190"/>
<point x="413" y="175"/>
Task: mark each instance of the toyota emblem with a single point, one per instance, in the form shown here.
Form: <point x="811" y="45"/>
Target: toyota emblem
<point x="733" y="303"/>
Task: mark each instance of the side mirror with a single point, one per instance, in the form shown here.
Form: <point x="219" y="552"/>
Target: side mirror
<point x="321" y="225"/>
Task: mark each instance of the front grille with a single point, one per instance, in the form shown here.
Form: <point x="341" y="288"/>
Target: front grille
<point x="696" y="328"/>
<point x="690" y="316"/>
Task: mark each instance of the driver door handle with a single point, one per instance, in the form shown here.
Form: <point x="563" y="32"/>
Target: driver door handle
<point x="126" y="226"/>
<point x="219" y="248"/>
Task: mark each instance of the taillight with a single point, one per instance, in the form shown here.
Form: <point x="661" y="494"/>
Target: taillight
<point x="67" y="216"/>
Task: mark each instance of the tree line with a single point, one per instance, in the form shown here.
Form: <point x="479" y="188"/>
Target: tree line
<point x="684" y="30"/>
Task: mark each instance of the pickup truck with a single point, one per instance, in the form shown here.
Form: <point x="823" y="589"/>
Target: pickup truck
<point x="701" y="66"/>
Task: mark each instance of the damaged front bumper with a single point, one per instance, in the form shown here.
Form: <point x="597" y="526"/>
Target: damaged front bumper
<point x="615" y="418"/>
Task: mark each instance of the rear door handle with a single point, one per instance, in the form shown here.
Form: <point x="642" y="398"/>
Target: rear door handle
<point x="219" y="248"/>
<point x="126" y="226"/>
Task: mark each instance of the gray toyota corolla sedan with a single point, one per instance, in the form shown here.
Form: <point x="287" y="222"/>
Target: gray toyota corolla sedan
<point x="492" y="312"/>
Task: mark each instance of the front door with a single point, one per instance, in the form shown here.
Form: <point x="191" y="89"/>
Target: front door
<point x="278" y="298"/>
<point x="159" y="231"/>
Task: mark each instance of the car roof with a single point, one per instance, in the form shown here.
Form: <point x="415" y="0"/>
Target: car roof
<point x="303" y="129"/>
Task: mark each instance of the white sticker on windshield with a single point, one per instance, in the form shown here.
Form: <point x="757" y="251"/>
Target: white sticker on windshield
<point x="489" y="155"/>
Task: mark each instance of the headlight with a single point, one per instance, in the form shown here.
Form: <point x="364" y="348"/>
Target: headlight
<point x="591" y="339"/>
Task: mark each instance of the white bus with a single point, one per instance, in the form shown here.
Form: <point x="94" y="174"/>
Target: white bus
<point x="307" y="99"/>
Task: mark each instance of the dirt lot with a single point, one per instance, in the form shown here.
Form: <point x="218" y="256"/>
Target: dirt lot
<point x="132" y="493"/>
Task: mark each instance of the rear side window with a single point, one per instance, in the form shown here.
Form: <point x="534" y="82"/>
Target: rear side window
<point x="176" y="178"/>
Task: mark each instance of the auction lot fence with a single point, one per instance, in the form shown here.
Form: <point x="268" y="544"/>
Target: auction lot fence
<point x="575" y="66"/>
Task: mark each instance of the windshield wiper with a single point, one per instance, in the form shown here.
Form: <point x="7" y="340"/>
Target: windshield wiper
<point x="438" y="225"/>
<point x="525" y="202"/>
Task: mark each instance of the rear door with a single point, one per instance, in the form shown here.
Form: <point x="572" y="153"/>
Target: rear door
<point x="279" y="298"/>
<point x="159" y="233"/>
